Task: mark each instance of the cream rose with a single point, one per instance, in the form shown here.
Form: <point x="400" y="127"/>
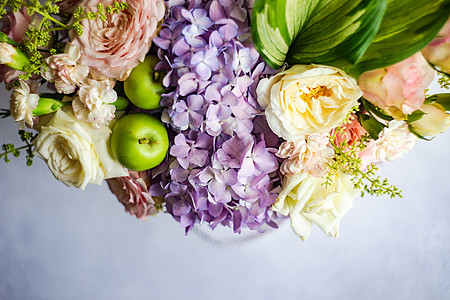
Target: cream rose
<point x="76" y="153"/>
<point x="307" y="200"/>
<point x="436" y="120"/>
<point x="115" y="46"/>
<point x="307" y="99"/>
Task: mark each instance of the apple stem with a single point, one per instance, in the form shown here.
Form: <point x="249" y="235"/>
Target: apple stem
<point x="144" y="141"/>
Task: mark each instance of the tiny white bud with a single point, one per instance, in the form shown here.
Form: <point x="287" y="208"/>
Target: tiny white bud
<point x="6" y="53"/>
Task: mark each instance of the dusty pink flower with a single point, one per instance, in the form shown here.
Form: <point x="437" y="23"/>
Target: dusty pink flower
<point x="438" y="51"/>
<point x="63" y="69"/>
<point x="399" y="89"/>
<point x="115" y="46"/>
<point x="132" y="192"/>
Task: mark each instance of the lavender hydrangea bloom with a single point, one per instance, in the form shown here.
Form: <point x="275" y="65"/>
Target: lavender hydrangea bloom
<point x="222" y="168"/>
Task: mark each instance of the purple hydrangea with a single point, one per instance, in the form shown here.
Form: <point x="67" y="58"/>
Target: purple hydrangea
<point x="222" y="168"/>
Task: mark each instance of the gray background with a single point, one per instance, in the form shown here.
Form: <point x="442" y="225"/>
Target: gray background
<point x="63" y="243"/>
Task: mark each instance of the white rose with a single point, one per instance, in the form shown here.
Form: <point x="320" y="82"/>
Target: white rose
<point x="306" y="99"/>
<point x="76" y="153"/>
<point x="307" y="200"/>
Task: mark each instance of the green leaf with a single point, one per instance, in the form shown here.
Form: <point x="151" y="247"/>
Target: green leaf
<point x="371" y="125"/>
<point x="331" y="32"/>
<point x="441" y="99"/>
<point x="406" y="28"/>
<point x="372" y="109"/>
<point x="415" y="116"/>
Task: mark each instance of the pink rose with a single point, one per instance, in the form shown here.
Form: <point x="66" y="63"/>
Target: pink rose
<point x="398" y="89"/>
<point x="351" y="132"/>
<point x="438" y="51"/>
<point x="14" y="25"/>
<point x="115" y="46"/>
<point x="132" y="192"/>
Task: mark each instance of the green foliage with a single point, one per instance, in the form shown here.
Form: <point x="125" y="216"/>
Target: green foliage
<point x="442" y="99"/>
<point x="8" y="149"/>
<point x="415" y="116"/>
<point x="347" y="159"/>
<point x="354" y="35"/>
<point x="371" y="125"/>
<point x="315" y="31"/>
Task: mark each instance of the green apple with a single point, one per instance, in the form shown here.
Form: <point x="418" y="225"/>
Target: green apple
<point x="144" y="86"/>
<point x="139" y="141"/>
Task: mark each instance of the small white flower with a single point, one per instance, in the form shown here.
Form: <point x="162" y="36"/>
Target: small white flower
<point x="93" y="102"/>
<point x="64" y="70"/>
<point x="6" y="53"/>
<point x="393" y="141"/>
<point x="22" y="104"/>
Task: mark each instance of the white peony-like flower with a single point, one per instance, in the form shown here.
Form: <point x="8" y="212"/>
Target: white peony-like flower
<point x="93" y="102"/>
<point x="6" y="53"/>
<point x="64" y="70"/>
<point x="393" y="142"/>
<point x="311" y="154"/>
<point x="307" y="200"/>
<point x="307" y="99"/>
<point x="76" y="153"/>
<point x="22" y="104"/>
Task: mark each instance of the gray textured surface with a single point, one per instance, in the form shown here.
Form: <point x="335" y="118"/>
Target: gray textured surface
<point x="62" y="243"/>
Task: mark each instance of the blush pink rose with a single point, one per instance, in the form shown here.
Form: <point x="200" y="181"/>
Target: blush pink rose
<point x="14" y="25"/>
<point x="132" y="192"/>
<point x="438" y="51"/>
<point x="398" y="89"/>
<point x="115" y="46"/>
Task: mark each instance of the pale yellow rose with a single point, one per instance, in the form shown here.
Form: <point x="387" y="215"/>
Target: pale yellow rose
<point x="76" y="153"/>
<point x="307" y="99"/>
<point x="307" y="200"/>
<point x="435" y="120"/>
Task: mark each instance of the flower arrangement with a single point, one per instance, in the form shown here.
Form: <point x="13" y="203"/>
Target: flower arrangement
<point x="231" y="113"/>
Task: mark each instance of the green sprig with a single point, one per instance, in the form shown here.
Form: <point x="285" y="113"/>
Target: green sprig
<point x="347" y="159"/>
<point x="9" y="148"/>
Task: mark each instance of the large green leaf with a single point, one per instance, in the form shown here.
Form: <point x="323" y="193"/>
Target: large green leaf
<point x="332" y="32"/>
<point x="406" y="28"/>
